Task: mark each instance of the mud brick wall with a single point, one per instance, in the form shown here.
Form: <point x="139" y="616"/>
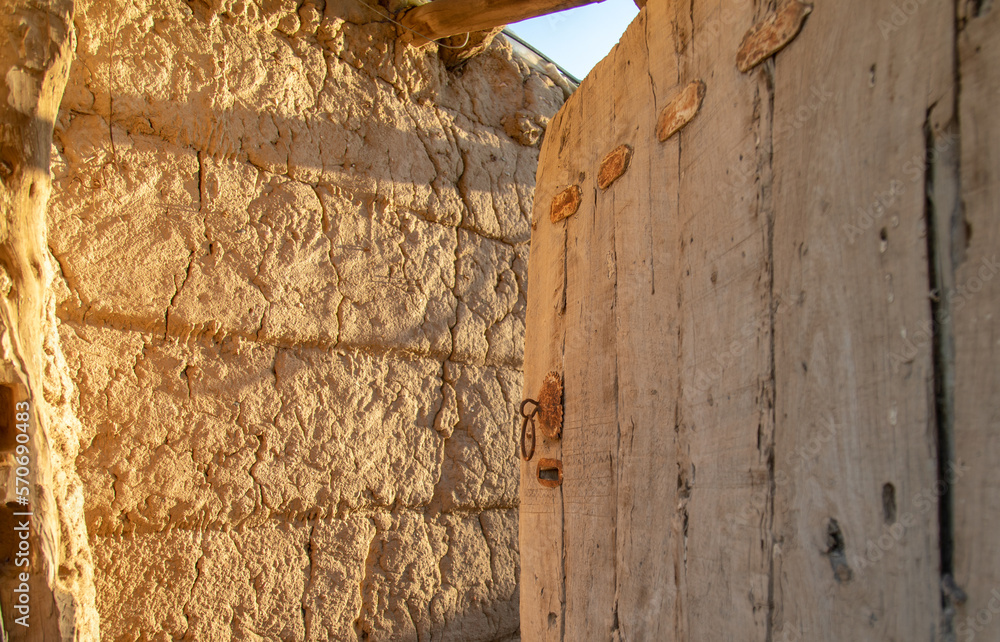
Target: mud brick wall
<point x="291" y="291"/>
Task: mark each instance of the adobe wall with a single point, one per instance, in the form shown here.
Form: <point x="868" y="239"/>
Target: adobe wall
<point x="291" y="292"/>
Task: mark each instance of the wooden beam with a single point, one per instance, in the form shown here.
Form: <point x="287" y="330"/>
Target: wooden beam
<point x="443" y="18"/>
<point x="37" y="42"/>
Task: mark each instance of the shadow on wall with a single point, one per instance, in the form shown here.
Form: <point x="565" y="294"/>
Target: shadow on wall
<point x="373" y="153"/>
<point x="366" y="256"/>
<point x="296" y="328"/>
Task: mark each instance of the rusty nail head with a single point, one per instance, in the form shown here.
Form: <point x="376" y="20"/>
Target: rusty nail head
<point x="565" y="203"/>
<point x="680" y="111"/>
<point x="613" y="166"/>
<point x="550" y="408"/>
<point x="767" y="37"/>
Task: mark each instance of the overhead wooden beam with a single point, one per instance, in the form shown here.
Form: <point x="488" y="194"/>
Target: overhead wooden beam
<point x="443" y="18"/>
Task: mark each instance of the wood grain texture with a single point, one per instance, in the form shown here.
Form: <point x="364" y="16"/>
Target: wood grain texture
<point x="36" y="48"/>
<point x="725" y="418"/>
<point x="975" y="314"/>
<point x="628" y="473"/>
<point x="540" y="529"/>
<point x="856" y="537"/>
<point x="761" y="390"/>
<point x="609" y="265"/>
<point x="648" y="548"/>
<point x="443" y="18"/>
<point x="591" y="387"/>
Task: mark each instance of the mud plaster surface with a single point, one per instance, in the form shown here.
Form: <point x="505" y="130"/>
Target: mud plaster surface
<point x="291" y="293"/>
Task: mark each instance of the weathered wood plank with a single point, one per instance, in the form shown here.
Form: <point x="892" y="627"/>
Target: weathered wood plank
<point x="443" y="18"/>
<point x="590" y="431"/>
<point x="725" y="420"/>
<point x="36" y="49"/>
<point x="542" y="593"/>
<point x="975" y="315"/>
<point x="645" y="240"/>
<point x="771" y="266"/>
<point x="857" y="552"/>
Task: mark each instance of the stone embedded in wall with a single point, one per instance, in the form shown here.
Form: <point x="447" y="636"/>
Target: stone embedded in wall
<point x="524" y="128"/>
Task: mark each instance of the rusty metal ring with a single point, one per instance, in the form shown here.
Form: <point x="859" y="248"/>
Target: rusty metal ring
<point x="526" y="454"/>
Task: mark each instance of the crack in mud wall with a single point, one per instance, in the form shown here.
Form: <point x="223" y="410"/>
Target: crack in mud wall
<point x="291" y="292"/>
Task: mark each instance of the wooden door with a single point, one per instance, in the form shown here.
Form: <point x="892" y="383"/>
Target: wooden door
<point x="759" y="403"/>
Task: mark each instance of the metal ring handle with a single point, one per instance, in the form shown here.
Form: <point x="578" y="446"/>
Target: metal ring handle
<point x="526" y="454"/>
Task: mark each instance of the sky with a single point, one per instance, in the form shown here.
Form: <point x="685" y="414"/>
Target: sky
<point x="579" y="38"/>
